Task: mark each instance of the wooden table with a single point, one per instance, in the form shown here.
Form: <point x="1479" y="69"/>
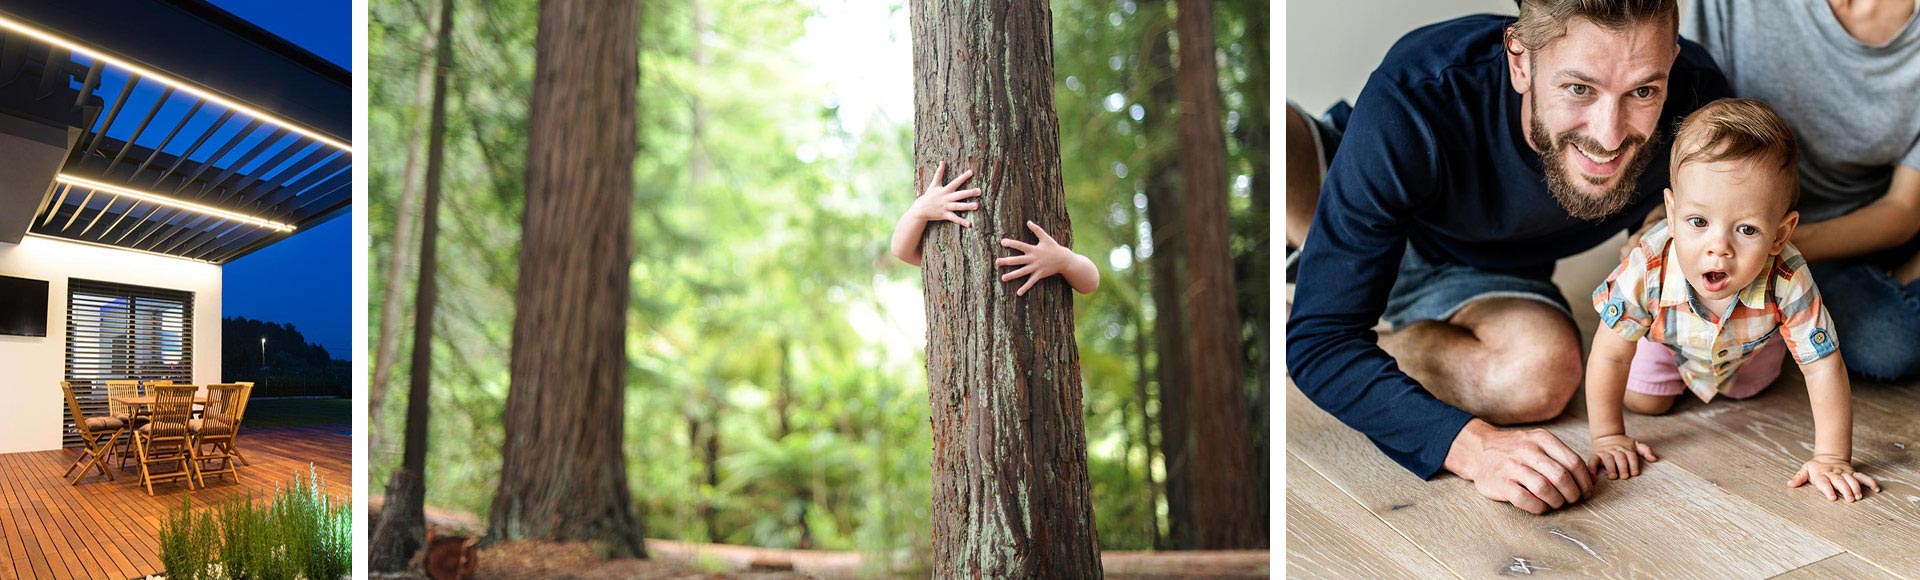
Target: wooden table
<point x="147" y="400"/>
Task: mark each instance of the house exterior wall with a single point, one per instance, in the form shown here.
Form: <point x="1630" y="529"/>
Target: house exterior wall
<point x="31" y="368"/>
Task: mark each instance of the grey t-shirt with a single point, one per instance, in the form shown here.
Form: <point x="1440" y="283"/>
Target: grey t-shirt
<point x="1854" y="107"/>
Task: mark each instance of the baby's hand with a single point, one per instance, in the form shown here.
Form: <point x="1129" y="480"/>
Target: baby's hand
<point x="1040" y="260"/>
<point x="1835" y="477"/>
<point x="942" y="202"/>
<point x="1619" y="456"/>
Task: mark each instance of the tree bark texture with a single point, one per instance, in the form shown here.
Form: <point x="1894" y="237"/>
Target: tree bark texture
<point x="403" y="521"/>
<point x="563" y="475"/>
<point x="1224" y="486"/>
<point x="1011" y="496"/>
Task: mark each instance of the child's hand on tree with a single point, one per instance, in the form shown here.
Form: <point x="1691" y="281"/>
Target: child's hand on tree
<point x="1834" y="477"/>
<point x="943" y="202"/>
<point x="1618" y="456"/>
<point x="1047" y="258"/>
<point x="938" y="203"/>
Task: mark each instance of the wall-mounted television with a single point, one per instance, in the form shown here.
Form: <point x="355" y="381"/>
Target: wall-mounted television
<point x="23" y="306"/>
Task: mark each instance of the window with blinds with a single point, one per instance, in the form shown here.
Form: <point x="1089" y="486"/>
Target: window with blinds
<point x="123" y="332"/>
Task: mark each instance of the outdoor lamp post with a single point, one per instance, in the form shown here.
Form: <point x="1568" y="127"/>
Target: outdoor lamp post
<point x="263" y="352"/>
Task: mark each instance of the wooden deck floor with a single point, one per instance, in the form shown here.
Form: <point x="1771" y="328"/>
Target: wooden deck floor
<point x="1715" y="506"/>
<point x="103" y="529"/>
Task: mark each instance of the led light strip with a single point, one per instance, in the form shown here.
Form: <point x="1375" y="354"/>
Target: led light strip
<point x="170" y="202"/>
<point x="10" y="24"/>
<point x="115" y="248"/>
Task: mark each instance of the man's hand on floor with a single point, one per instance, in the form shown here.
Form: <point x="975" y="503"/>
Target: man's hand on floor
<point x="1531" y="469"/>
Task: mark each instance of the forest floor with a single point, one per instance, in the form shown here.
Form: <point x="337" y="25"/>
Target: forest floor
<point x="688" y="560"/>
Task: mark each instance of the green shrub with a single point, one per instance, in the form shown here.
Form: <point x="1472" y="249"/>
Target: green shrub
<point x="299" y="532"/>
<point x="238" y="527"/>
<point x="186" y="543"/>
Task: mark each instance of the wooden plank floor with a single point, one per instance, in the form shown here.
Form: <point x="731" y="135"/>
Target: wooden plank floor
<point x="102" y="529"/>
<point x="1715" y="506"/>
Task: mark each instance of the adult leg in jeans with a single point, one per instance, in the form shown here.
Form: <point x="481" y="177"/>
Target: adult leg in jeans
<point x="1877" y="317"/>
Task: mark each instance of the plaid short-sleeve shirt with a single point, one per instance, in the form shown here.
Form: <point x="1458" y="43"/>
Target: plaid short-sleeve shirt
<point x="1648" y="296"/>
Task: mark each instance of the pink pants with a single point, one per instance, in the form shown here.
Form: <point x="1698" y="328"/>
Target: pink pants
<point x="1654" y="372"/>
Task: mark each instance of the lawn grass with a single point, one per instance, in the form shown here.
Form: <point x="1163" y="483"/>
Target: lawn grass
<point x="295" y="412"/>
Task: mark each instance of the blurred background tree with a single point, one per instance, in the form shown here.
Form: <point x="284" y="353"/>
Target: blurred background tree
<point x="776" y="391"/>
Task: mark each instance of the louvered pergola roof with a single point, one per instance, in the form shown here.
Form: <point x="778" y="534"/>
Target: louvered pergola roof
<point x="185" y="131"/>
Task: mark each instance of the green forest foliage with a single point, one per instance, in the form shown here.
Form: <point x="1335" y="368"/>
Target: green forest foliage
<point x="763" y="294"/>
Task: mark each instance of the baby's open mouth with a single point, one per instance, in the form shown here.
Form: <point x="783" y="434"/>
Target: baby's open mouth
<point x="1716" y="280"/>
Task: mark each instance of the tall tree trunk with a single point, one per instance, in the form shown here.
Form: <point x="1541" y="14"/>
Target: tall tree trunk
<point x="804" y="496"/>
<point x="694" y="445"/>
<point x="806" y="532"/>
<point x="388" y="344"/>
<point x="1011" y="496"/>
<point x="1254" y="265"/>
<point x="1164" y="216"/>
<point x="710" y="462"/>
<point x="1224" y="491"/>
<point x="784" y="404"/>
<point x="563" y="474"/>
<point x="403" y="520"/>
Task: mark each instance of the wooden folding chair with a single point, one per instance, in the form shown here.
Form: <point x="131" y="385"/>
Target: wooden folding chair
<point x="133" y="417"/>
<point x="166" y="440"/>
<point x="239" y="417"/>
<point x="91" y="429"/>
<point x="216" y="429"/>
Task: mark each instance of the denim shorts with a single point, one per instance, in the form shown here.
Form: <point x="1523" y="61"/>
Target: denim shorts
<point x="1426" y="290"/>
<point x="1435" y="291"/>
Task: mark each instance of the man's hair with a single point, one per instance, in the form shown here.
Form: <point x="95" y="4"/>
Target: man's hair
<point x="1738" y="130"/>
<point x="1543" y="21"/>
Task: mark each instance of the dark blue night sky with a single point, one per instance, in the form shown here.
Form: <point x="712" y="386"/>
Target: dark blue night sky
<point x="306" y="280"/>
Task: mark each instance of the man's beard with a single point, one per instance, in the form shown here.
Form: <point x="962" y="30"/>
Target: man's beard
<point x="1560" y="178"/>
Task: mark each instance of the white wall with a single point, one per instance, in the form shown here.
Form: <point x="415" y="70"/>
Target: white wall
<point x="1332" y="45"/>
<point x="31" y="368"/>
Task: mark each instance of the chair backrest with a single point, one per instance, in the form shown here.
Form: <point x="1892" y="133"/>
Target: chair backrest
<point x="171" y="406"/>
<point x="223" y="403"/>
<point x="73" y="406"/>
<point x="146" y="387"/>
<point x="246" y="396"/>
<point x="117" y="389"/>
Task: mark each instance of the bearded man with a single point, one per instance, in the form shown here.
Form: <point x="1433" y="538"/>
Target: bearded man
<point x="1482" y="150"/>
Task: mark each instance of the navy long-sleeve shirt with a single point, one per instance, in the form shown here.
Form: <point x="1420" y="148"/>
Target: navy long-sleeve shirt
<point x="1435" y="156"/>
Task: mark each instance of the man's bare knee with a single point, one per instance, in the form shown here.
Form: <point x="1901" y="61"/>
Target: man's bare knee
<point x="1648" y="404"/>
<point x="1533" y="387"/>
<point x="1507" y="361"/>
<point x="1535" y="363"/>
